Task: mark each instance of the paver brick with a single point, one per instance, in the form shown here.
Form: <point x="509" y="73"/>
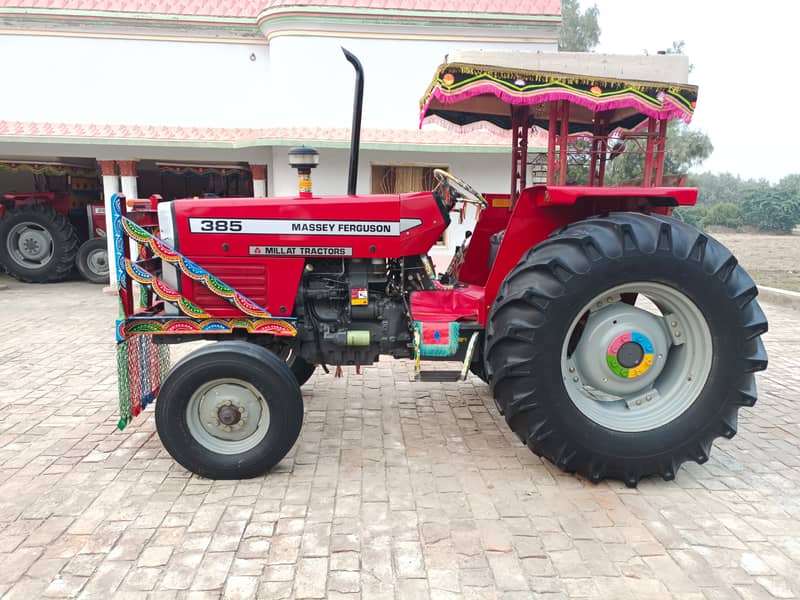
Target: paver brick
<point x="394" y="490"/>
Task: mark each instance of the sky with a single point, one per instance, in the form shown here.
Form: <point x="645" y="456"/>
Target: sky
<point x="745" y="57"/>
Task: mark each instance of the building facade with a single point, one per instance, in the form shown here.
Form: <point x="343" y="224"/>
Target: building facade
<point x="203" y="97"/>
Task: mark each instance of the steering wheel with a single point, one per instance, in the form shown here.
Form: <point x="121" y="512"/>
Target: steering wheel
<point x="460" y="188"/>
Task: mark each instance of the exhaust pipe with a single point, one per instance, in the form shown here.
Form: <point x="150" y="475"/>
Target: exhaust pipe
<point x="355" y="134"/>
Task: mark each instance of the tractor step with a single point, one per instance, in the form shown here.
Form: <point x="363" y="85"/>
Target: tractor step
<point x="440" y="375"/>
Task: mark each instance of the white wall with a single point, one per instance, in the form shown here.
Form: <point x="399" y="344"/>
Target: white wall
<point x="96" y="80"/>
<point x="295" y="81"/>
<point x="486" y="172"/>
<point x="313" y="82"/>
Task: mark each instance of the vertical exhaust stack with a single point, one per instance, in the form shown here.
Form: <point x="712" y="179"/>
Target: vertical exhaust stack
<point x="355" y="135"/>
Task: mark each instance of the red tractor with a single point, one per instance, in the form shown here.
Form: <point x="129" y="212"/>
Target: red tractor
<point x="42" y="240"/>
<point x="617" y="340"/>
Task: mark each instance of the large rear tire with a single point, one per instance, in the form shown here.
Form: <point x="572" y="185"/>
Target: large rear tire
<point x="37" y="244"/>
<point x="230" y="410"/>
<point x="611" y="389"/>
<point x="300" y="367"/>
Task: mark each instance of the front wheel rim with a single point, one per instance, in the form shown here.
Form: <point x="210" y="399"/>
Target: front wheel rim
<point x="637" y="368"/>
<point x="97" y="261"/>
<point x="228" y="416"/>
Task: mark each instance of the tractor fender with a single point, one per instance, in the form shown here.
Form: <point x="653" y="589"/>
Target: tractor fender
<point x="542" y="210"/>
<point x="561" y="195"/>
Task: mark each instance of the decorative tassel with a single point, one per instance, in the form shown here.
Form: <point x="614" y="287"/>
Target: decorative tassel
<point x="668" y="105"/>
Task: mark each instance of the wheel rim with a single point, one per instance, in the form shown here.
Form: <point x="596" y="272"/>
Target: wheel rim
<point x="228" y="416"/>
<point x="30" y="245"/>
<point x="97" y="261"/>
<point x="635" y="368"/>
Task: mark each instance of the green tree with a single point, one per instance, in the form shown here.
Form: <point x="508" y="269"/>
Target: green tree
<point x="580" y="31"/>
<point x="790" y="184"/>
<point x="693" y="215"/>
<point x="717" y="187"/>
<point x="686" y="148"/>
<point x="725" y="214"/>
<point x="771" y="209"/>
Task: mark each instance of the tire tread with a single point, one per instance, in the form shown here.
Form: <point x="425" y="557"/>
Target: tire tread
<point x="520" y="311"/>
<point x="65" y="236"/>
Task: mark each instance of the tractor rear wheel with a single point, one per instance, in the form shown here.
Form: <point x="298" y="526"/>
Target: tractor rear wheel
<point x="37" y="244"/>
<point x="230" y="410"/>
<point x="622" y="346"/>
<point x="300" y="367"/>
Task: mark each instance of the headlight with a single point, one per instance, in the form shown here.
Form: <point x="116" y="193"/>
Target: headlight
<point x="166" y="225"/>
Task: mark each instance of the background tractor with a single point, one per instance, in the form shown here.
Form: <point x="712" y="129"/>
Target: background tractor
<point x="618" y="341"/>
<point x="46" y="235"/>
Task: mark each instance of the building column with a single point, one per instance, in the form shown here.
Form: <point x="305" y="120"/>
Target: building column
<point x="259" y="173"/>
<point x="130" y="187"/>
<point x="127" y="172"/>
<point x="110" y="187"/>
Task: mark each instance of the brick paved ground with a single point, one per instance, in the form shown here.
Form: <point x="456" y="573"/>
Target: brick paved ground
<point x="395" y="490"/>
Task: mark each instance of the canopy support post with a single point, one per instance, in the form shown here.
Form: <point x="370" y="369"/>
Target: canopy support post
<point x="595" y="150"/>
<point x="514" y="155"/>
<point x="661" y="150"/>
<point x="649" y="152"/>
<point x="601" y="176"/>
<point x="563" y="143"/>
<point x="519" y="150"/>
<point x="551" y="143"/>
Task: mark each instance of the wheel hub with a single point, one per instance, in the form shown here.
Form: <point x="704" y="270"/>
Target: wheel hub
<point x="621" y="350"/>
<point x="29" y="243"/>
<point x="98" y="262"/>
<point x="229" y="415"/>
<point x="630" y="355"/>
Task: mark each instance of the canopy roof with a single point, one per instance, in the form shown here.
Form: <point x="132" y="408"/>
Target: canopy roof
<point x="478" y="88"/>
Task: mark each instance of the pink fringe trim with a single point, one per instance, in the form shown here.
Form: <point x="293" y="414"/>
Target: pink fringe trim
<point x="670" y="109"/>
<point x="478" y="126"/>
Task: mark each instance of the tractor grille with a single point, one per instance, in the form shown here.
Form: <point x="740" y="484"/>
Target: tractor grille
<point x="249" y="280"/>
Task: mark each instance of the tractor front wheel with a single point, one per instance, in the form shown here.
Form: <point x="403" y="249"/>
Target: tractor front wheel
<point x="624" y="345"/>
<point x="230" y="410"/>
<point x="92" y="260"/>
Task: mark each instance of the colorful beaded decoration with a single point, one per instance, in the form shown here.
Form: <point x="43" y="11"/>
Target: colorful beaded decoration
<point x="643" y="366"/>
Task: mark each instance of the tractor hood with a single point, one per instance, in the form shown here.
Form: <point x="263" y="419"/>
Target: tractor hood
<point x="380" y="226"/>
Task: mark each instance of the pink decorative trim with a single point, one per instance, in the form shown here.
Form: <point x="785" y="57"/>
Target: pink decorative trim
<point x="251" y="8"/>
<point x="468" y="128"/>
<point x="670" y="109"/>
<point x="104" y="133"/>
<point x="537" y="137"/>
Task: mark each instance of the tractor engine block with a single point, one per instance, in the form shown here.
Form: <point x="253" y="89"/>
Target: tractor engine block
<point x="352" y="310"/>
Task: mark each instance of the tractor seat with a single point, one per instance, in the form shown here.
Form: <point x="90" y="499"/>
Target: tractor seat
<point x="494" y="246"/>
<point x="461" y="303"/>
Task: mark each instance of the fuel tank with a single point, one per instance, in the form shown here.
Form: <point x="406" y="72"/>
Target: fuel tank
<point x="259" y="245"/>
